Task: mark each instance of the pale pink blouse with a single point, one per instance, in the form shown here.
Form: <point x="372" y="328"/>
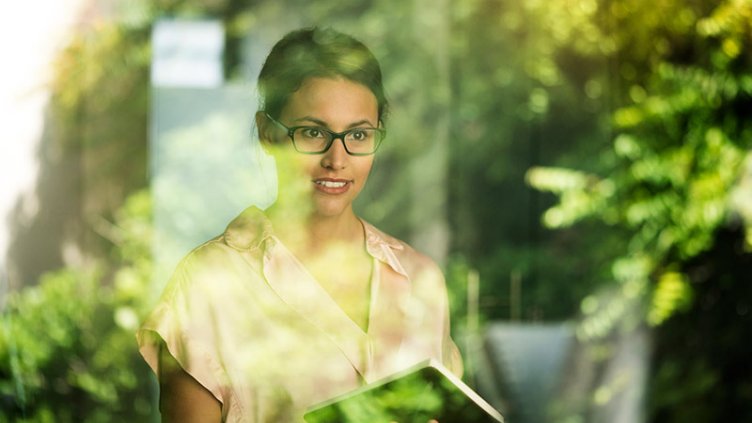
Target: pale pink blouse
<point x="247" y="321"/>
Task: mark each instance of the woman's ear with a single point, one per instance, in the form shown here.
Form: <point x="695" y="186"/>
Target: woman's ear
<point x="264" y="129"/>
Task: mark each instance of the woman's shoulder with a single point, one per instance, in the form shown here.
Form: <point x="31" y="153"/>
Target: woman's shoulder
<point x="411" y="260"/>
<point x="236" y="251"/>
<point x="245" y="233"/>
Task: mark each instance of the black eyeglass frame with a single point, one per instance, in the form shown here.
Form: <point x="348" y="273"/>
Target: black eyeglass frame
<point x="333" y="136"/>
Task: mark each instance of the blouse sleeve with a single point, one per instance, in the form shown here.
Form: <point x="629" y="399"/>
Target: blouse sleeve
<point x="184" y="321"/>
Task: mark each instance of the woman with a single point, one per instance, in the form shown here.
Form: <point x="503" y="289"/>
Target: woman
<point x="304" y="301"/>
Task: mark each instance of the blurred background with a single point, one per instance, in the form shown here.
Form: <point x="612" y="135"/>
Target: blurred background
<point x="581" y="169"/>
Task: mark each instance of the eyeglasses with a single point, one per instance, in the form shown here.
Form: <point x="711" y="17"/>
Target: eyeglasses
<point x="318" y="140"/>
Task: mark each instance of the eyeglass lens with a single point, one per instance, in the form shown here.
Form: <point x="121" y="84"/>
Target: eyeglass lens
<point x="315" y="140"/>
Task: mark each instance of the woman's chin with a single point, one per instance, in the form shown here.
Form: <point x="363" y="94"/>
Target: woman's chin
<point x="329" y="208"/>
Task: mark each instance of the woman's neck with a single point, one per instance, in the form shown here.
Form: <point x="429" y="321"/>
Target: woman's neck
<point x="343" y="229"/>
<point x="308" y="235"/>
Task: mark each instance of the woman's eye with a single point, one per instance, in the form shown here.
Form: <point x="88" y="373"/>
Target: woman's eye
<point x="313" y="133"/>
<point x="359" y="135"/>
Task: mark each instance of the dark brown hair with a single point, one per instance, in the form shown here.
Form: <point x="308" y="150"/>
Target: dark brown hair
<point x="316" y="52"/>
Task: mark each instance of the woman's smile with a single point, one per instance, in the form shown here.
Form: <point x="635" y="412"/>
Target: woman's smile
<point x="332" y="186"/>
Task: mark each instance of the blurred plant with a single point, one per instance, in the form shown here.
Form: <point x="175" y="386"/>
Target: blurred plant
<point x="673" y="167"/>
<point x="67" y="349"/>
<point x="673" y="180"/>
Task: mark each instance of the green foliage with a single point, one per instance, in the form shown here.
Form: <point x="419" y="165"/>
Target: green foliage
<point x="67" y="349"/>
<point x="675" y="181"/>
<point x="672" y="293"/>
<point x="420" y="396"/>
<point x="677" y="157"/>
<point x="67" y="346"/>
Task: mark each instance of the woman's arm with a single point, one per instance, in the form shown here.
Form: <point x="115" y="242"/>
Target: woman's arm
<point x="181" y="397"/>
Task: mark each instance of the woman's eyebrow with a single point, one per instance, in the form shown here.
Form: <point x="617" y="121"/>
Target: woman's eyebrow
<point x="361" y="122"/>
<point x="322" y="123"/>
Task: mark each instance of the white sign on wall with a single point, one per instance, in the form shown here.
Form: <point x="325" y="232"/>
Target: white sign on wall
<point x="187" y="54"/>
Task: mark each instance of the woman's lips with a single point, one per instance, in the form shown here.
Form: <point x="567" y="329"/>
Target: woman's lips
<point x="332" y="185"/>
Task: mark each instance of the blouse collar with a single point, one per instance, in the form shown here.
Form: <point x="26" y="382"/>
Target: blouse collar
<point x="252" y="229"/>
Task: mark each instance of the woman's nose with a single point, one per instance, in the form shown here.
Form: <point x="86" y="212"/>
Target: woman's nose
<point x="336" y="156"/>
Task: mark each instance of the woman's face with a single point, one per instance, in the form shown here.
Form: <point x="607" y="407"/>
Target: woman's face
<point x="334" y="178"/>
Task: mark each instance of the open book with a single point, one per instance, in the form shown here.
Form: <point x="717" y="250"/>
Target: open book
<point x="418" y="394"/>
